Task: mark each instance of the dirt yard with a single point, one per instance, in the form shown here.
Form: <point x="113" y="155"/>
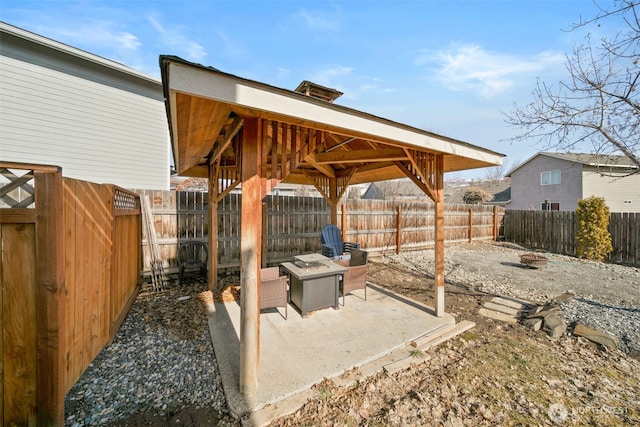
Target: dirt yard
<point x="496" y="373"/>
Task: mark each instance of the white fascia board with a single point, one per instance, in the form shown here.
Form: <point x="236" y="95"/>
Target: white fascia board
<point x="224" y="88"/>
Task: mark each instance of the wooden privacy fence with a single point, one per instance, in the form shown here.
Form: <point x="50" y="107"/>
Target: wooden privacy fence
<point x="293" y="225"/>
<point x="555" y="231"/>
<point x="70" y="270"/>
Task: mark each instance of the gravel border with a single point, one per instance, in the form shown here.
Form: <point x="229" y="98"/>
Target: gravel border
<point x="149" y="366"/>
<point x="606" y="294"/>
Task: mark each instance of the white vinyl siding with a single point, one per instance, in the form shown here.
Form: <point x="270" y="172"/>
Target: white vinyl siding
<point x="95" y="132"/>
<point x="620" y="193"/>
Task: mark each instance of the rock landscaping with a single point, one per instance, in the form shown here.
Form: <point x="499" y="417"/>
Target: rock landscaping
<point x="161" y="370"/>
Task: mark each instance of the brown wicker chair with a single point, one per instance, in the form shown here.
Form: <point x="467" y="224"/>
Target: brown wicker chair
<point x="356" y="277"/>
<point x="274" y="289"/>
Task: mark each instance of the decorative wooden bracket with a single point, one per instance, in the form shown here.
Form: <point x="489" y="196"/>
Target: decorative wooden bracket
<point x="324" y="184"/>
<point x="421" y="168"/>
<point x="227" y="177"/>
<point x="226" y="139"/>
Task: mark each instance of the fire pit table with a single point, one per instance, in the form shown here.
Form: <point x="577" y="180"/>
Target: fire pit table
<point x="314" y="282"/>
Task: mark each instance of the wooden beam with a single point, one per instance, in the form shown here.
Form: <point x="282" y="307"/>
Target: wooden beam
<point x="320" y="182"/>
<point x="439" y="234"/>
<point x="212" y="214"/>
<point x="250" y="257"/>
<point x="333" y="201"/>
<point x="362" y="156"/>
<point x="17" y="216"/>
<point x="428" y="191"/>
<point x="226" y="141"/>
<point x="343" y="182"/>
<point x="50" y="262"/>
<point x="399" y="229"/>
<point x="325" y="169"/>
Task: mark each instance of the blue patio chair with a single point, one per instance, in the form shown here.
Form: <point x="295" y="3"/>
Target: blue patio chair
<point x="332" y="244"/>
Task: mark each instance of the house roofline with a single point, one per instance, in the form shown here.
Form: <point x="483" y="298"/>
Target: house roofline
<point x="561" y="156"/>
<point x="74" y="52"/>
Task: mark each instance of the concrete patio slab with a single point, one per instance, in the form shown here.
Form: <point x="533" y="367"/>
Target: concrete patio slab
<point x="297" y="352"/>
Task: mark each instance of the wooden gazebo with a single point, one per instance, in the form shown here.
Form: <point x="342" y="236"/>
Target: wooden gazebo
<point x="234" y="130"/>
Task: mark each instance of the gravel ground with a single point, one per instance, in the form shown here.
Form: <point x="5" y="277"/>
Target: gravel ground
<point x="161" y="368"/>
<point x="161" y="362"/>
<point x="606" y="296"/>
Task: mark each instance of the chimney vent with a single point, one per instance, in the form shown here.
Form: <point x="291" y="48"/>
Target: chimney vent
<point x="315" y="90"/>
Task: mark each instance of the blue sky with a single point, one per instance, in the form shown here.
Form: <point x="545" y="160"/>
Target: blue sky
<point x="450" y="67"/>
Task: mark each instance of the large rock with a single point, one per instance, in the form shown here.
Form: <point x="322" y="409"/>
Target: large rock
<point x="554" y="326"/>
<point x="534" y="323"/>
<point x="564" y="297"/>
<point x="543" y="310"/>
<point x="596" y="336"/>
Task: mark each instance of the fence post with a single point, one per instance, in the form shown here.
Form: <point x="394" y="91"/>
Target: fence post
<point x="495" y="223"/>
<point x="398" y="229"/>
<point x="470" y="230"/>
<point x="50" y="325"/>
<point x="263" y="261"/>
<point x="343" y="221"/>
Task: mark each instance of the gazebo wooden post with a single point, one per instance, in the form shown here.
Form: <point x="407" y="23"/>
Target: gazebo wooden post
<point x="212" y="213"/>
<point x="343" y="221"/>
<point x="439" y="234"/>
<point x="333" y="200"/>
<point x="250" y="248"/>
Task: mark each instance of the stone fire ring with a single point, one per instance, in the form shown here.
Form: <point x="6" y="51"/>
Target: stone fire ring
<point x="533" y="260"/>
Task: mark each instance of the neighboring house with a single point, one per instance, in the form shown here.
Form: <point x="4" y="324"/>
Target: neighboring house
<point x="499" y="189"/>
<point x="99" y="120"/>
<point x="181" y="183"/>
<point x="556" y="181"/>
<point x="405" y="189"/>
<point x="394" y="189"/>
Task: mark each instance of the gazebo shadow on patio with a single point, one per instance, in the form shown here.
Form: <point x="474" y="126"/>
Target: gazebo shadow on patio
<point x="298" y="352"/>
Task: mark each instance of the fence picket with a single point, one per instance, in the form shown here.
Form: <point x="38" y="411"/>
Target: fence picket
<point x="555" y="231"/>
<point x="293" y="224"/>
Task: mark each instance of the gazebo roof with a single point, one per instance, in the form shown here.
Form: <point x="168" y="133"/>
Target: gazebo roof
<point x="206" y="109"/>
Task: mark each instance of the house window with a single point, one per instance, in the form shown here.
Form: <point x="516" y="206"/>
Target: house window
<point x="550" y="177"/>
<point x="550" y="206"/>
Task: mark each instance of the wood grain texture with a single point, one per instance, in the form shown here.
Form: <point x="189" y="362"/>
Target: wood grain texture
<point x="18" y="345"/>
<point x="50" y="324"/>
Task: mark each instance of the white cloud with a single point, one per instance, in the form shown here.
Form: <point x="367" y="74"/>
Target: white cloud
<point x="282" y="72"/>
<point x="326" y="76"/>
<point x="228" y="45"/>
<point x="470" y="67"/>
<point x="352" y="84"/>
<point x="316" y="21"/>
<point x="171" y="36"/>
<point x="98" y="33"/>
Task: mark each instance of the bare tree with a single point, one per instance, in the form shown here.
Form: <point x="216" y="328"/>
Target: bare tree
<point x="496" y="173"/>
<point x="598" y="103"/>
